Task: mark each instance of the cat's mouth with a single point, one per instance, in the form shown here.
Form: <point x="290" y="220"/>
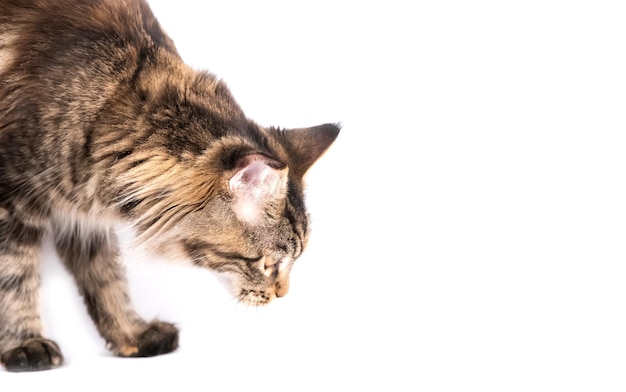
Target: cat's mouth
<point x="256" y="297"/>
<point x="260" y="282"/>
<point x="264" y="296"/>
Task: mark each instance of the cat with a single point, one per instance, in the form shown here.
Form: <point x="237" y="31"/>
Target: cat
<point x="101" y="124"/>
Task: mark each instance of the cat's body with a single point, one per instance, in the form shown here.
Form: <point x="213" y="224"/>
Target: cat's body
<point x="102" y="123"/>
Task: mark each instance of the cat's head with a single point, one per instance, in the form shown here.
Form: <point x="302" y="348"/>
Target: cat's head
<point x="246" y="217"/>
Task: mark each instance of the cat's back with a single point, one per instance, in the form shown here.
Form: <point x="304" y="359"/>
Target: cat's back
<point x="121" y="16"/>
<point x="43" y="29"/>
<point x="61" y="63"/>
<point x="29" y="18"/>
<point x="62" y="58"/>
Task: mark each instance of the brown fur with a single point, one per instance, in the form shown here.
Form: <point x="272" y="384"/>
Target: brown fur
<point x="101" y="123"/>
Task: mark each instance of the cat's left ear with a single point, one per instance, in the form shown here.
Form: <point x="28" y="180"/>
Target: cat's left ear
<point x="259" y="186"/>
<point x="306" y="145"/>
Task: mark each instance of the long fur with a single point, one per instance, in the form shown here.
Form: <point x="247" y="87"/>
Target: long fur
<point x="102" y="123"/>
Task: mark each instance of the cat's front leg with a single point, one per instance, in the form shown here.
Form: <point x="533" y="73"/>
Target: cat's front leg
<point x="93" y="260"/>
<point x="22" y="344"/>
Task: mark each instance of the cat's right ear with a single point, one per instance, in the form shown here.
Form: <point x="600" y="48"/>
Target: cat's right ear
<point x="306" y="145"/>
<point x="259" y="185"/>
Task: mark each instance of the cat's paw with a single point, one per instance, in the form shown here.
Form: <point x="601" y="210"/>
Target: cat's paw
<point x="158" y="338"/>
<point x="33" y="355"/>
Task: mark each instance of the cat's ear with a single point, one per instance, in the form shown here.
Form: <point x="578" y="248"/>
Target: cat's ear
<point x="258" y="187"/>
<point x="306" y="145"/>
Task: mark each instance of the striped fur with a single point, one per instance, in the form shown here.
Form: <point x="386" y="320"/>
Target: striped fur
<point x="101" y="123"/>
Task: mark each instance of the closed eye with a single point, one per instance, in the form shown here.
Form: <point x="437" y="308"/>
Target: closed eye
<point x="198" y="247"/>
<point x="249" y="259"/>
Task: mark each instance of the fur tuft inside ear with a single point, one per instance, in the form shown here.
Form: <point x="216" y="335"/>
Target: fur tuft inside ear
<point x="259" y="185"/>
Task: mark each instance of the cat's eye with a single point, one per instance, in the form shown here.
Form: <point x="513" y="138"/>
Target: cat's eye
<point x="248" y="259"/>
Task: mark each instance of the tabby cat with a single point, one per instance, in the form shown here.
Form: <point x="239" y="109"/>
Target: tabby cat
<point x="101" y="123"/>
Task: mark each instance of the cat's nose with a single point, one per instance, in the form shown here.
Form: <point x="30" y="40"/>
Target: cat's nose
<point x="282" y="287"/>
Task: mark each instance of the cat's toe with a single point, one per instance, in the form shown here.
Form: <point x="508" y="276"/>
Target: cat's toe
<point x="158" y="338"/>
<point x="33" y="355"/>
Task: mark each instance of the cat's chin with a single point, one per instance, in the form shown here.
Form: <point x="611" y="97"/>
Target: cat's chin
<point x="246" y="296"/>
<point x="256" y="297"/>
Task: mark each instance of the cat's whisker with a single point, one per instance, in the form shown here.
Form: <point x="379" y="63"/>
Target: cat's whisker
<point x="238" y="302"/>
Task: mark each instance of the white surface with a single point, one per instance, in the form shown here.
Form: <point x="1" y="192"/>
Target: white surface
<point x="469" y="222"/>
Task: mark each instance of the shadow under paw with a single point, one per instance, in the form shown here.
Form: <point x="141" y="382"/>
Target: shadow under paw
<point x="159" y="338"/>
<point x="33" y="355"/>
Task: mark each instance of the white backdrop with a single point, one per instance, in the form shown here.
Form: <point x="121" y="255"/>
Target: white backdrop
<point x="469" y="222"/>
